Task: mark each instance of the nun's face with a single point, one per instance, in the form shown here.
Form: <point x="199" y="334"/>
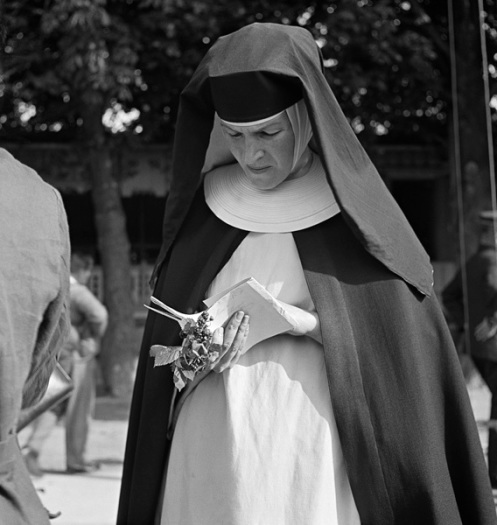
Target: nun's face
<point x="264" y="151"/>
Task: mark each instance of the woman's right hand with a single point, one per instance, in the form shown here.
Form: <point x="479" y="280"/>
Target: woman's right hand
<point x="230" y="341"/>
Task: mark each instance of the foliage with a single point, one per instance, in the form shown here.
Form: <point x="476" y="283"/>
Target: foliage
<point x="386" y="60"/>
<point x="383" y="67"/>
<point x="63" y="55"/>
<point x="101" y="72"/>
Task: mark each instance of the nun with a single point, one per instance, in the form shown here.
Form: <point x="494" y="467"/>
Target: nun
<point x="359" y="413"/>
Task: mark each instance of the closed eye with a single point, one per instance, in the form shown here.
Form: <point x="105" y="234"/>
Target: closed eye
<point x="269" y="133"/>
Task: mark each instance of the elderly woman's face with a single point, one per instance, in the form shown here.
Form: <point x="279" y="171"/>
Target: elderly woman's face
<point x="264" y="151"/>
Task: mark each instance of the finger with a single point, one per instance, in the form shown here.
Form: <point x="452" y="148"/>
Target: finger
<point x="232" y="328"/>
<point x="235" y="356"/>
<point x="241" y="335"/>
<point x="224" y="359"/>
<point x="217" y="336"/>
<point x="216" y="345"/>
<point x="234" y="351"/>
<point x="232" y="356"/>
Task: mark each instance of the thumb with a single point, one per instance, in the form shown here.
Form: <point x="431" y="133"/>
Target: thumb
<point x="218" y="336"/>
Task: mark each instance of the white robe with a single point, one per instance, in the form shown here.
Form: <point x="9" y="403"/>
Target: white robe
<point x="258" y="444"/>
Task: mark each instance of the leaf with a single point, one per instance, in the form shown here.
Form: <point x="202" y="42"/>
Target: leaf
<point x="179" y="380"/>
<point x="189" y="374"/>
<point x="164" y="355"/>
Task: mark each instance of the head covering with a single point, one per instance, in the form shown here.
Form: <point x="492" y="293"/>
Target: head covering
<point x="302" y="129"/>
<point x="295" y="204"/>
<point x="299" y="120"/>
<point x="291" y="53"/>
<point x="269" y="94"/>
<point x="252" y="122"/>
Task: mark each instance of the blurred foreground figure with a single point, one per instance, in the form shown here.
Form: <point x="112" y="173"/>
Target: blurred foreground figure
<point x="78" y="358"/>
<point x="34" y="274"/>
<point x="359" y="413"/>
<point x="481" y="275"/>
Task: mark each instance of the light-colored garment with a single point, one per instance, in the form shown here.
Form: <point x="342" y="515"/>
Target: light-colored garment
<point x="34" y="285"/>
<point x="258" y="444"/>
<point x="89" y="317"/>
<point x="89" y="321"/>
<point x="80" y="409"/>
<point x="295" y="204"/>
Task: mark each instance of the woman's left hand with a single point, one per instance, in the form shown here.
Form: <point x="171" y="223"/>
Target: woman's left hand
<point x="231" y="341"/>
<point x="304" y="322"/>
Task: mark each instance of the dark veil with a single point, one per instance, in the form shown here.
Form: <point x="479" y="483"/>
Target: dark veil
<point x="366" y="204"/>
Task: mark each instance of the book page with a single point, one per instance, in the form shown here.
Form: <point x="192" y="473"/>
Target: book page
<point x="267" y="317"/>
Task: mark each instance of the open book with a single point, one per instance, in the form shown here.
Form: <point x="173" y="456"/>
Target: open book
<point x="267" y="316"/>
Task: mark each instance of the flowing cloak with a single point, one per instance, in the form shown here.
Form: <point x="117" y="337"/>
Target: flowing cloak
<point x="406" y="426"/>
<point x="405" y="422"/>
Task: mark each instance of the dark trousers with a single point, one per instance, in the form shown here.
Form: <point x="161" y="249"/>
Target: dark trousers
<point x="488" y="372"/>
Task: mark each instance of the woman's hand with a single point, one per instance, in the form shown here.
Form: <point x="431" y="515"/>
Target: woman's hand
<point x="231" y="341"/>
<point x="304" y="322"/>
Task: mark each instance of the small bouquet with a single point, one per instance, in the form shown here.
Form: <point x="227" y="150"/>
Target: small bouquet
<point x="267" y="319"/>
<point x="196" y="353"/>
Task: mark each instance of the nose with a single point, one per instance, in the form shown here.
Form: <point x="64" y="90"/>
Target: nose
<point x="253" y="152"/>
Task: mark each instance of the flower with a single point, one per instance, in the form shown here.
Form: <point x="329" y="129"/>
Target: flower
<point x="194" y="356"/>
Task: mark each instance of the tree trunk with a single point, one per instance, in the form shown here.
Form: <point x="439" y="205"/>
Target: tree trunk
<point x="117" y="357"/>
<point x="471" y="104"/>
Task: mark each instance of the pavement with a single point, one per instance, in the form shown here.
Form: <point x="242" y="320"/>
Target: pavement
<point x="86" y="498"/>
<point x="92" y="499"/>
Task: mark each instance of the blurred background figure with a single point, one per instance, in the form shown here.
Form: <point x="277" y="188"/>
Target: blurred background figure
<point x="78" y="357"/>
<point x="34" y="284"/>
<point x="481" y="277"/>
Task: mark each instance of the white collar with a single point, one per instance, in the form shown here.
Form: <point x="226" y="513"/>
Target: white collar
<point x="293" y="205"/>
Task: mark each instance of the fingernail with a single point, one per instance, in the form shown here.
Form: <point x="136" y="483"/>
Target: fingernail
<point x="246" y="319"/>
<point x="239" y="316"/>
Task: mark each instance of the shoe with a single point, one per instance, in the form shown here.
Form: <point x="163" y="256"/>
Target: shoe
<point x="53" y="515"/>
<point x="31" y="460"/>
<point x="85" y="468"/>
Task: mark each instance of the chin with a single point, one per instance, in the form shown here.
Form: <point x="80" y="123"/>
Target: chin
<point x="263" y="183"/>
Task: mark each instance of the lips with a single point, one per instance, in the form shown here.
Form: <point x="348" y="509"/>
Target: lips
<point x="258" y="170"/>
